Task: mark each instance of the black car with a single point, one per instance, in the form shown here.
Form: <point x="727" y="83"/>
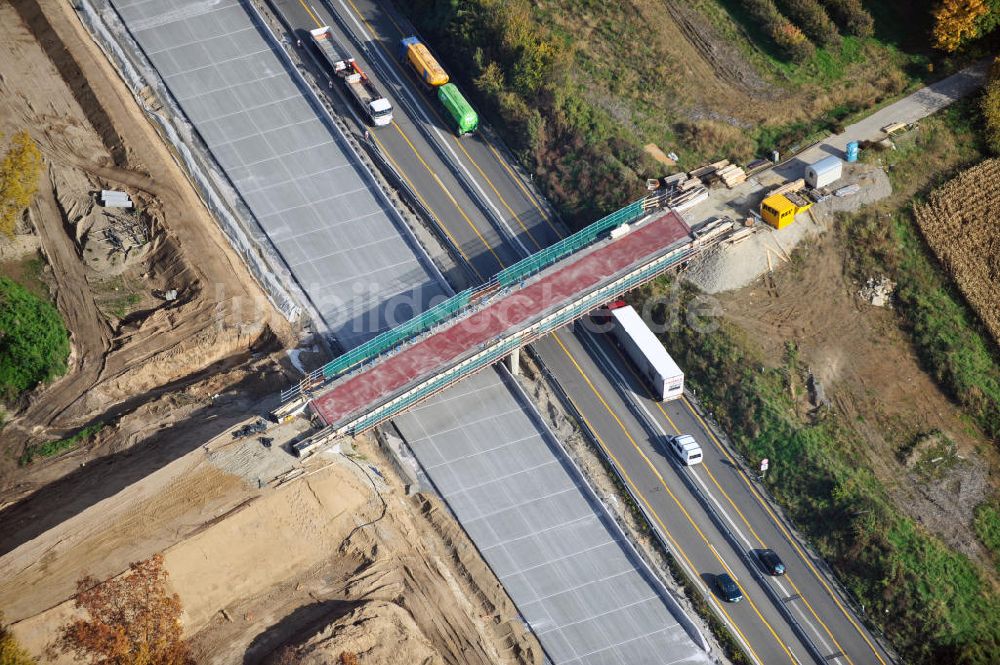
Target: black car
<point x="728" y="588"/>
<point x="771" y="563"/>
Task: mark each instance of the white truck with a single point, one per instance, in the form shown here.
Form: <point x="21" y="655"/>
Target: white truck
<point x="644" y="350"/>
<point x="372" y="102"/>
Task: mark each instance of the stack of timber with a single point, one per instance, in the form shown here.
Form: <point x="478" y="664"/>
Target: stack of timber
<point x="686" y="190"/>
<point x="713" y="229"/>
<point x="788" y="187"/>
<point x="732" y="175"/>
<point x="679" y="192"/>
<point x="728" y="174"/>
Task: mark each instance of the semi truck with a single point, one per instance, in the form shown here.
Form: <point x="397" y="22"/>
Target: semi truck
<point x="425" y="65"/>
<point x="359" y="86"/>
<point x="460" y="114"/>
<point x="638" y="342"/>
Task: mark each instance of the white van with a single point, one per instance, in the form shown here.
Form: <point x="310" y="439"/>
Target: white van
<point x="686" y="448"/>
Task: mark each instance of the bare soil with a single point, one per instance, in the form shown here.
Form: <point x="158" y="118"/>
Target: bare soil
<point x="267" y="553"/>
<point x="871" y="375"/>
<point x="129" y="344"/>
<point x="290" y="565"/>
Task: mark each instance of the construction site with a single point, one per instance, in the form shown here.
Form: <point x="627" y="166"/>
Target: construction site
<point x="479" y="480"/>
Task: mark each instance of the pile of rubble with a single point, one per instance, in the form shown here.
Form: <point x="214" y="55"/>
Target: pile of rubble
<point x="877" y="291"/>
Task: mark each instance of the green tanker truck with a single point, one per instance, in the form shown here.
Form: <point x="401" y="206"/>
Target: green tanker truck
<point x="464" y="119"/>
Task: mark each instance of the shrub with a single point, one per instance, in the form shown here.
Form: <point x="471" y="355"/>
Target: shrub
<point x="51" y="448"/>
<point x="11" y="652"/>
<point x="934" y="603"/>
<point x="785" y="34"/>
<point x="812" y="19"/>
<point x="793" y="41"/>
<point x="991" y="108"/>
<point x="19" y="173"/>
<point x="956" y="21"/>
<point x="851" y="16"/>
<point x="34" y="343"/>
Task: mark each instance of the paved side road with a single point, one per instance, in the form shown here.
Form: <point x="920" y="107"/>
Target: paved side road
<point x="914" y="107"/>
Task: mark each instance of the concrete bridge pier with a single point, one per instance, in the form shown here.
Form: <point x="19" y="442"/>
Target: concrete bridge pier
<point x="514" y="361"/>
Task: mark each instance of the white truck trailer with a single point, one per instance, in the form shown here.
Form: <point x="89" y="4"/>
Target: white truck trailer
<point x="646" y="352"/>
<point x="359" y="86"/>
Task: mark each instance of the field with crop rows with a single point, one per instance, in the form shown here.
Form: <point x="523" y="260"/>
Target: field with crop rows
<point x="961" y="223"/>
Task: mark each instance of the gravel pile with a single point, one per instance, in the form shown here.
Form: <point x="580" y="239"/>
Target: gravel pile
<point x="731" y="267"/>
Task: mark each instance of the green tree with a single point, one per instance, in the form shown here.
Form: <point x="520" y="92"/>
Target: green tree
<point x="19" y="173"/>
<point x="34" y="343"/>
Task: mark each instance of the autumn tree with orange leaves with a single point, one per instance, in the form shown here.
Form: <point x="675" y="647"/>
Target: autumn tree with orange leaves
<point x="19" y="171"/>
<point x="955" y="21"/>
<point x="132" y="620"/>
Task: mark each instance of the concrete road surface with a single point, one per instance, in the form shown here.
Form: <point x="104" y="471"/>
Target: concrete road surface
<point x="913" y="107"/>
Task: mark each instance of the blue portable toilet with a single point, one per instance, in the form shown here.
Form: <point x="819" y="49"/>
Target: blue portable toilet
<point x="852" y="151"/>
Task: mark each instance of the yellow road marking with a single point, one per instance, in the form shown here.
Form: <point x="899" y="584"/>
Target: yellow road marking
<point x="663" y="484"/>
<point x="528" y="195"/>
<point x="420" y="198"/>
<point x="548" y="220"/>
<point x="663" y="527"/>
<point x="441" y="120"/>
<point x="433" y="175"/>
<point x="449" y="195"/>
<point x="732" y="503"/>
<point x="788" y="536"/>
<point x="517" y="180"/>
<point x="310" y="12"/>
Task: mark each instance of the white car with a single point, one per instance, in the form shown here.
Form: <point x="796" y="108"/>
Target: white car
<point x="686" y="448"/>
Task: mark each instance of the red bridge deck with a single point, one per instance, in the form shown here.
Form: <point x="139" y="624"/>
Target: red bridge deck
<point x="442" y="349"/>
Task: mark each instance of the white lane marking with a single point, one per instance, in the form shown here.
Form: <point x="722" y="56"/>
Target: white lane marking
<point x="610" y="366"/>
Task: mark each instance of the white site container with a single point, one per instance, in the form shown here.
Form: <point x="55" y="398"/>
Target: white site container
<point x="824" y="172"/>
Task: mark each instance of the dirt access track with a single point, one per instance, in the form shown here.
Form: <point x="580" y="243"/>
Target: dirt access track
<point x="93" y="135"/>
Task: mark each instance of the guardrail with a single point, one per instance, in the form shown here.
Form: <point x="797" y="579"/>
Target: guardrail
<point x="788" y="525"/>
<point x="747" y="556"/>
<point x="508" y="278"/>
<point x="570" y="406"/>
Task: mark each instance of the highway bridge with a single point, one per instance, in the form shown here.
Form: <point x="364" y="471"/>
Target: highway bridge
<point x="521" y="304"/>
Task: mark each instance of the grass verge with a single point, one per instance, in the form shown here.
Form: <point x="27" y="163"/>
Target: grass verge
<point x="698" y="78"/>
<point x="987" y="526"/>
<point x="723" y="635"/>
<point x="932" y="602"/>
<point x="950" y="340"/>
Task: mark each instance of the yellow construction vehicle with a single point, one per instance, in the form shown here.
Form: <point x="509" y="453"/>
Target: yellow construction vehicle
<point x="779" y="210"/>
